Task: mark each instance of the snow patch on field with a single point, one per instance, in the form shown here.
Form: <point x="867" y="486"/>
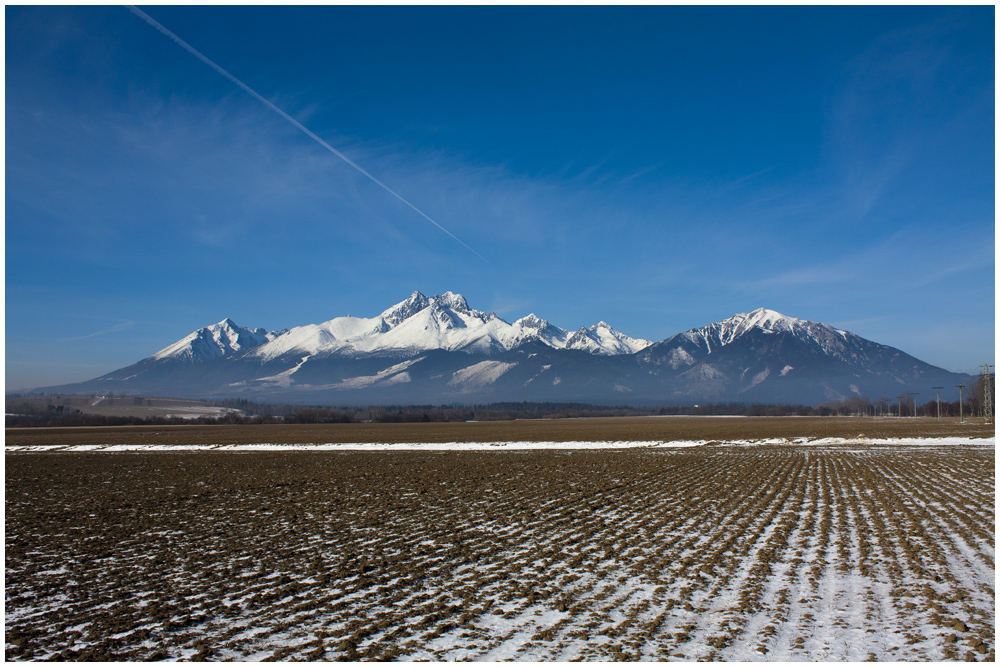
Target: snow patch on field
<point x="523" y="445"/>
<point x="813" y="551"/>
<point x="352" y="446"/>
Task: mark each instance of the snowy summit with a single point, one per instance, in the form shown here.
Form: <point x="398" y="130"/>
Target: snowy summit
<point x="440" y="322"/>
<point x="217" y="340"/>
<point x="439" y="349"/>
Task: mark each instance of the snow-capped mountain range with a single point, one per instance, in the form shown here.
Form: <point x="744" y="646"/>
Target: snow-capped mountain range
<point x="440" y="322"/>
<point x="439" y="350"/>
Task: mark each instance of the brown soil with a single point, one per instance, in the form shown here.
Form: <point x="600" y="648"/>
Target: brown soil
<point x="551" y="430"/>
<point x="707" y="552"/>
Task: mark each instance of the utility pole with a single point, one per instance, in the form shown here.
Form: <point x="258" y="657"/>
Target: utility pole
<point x="900" y="399"/>
<point x="938" y="391"/>
<point x="913" y="397"/>
<point x="987" y="396"/>
<point x="960" y="417"/>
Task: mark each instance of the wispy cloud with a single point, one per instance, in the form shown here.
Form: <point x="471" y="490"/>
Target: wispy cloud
<point x="890" y="107"/>
<point x="903" y="259"/>
<point x="121" y="326"/>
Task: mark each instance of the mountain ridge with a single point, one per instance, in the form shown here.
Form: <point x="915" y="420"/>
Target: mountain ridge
<point x="418" y="323"/>
<point x="438" y="349"/>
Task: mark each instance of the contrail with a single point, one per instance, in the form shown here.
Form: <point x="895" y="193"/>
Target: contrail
<point x="203" y="58"/>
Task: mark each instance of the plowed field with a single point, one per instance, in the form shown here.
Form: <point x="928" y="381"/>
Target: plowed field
<point x="779" y="552"/>
<point x="618" y="429"/>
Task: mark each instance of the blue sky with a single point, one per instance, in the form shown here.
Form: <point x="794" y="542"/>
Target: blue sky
<point x="659" y="168"/>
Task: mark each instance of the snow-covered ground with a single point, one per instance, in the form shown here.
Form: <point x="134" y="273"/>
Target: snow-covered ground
<point x="523" y="445"/>
<point x="744" y="551"/>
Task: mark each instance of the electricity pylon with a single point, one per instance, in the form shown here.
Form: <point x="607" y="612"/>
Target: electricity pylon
<point x="987" y="395"/>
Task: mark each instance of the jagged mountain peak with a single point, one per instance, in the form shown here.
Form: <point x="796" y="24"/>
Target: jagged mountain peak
<point x="762" y="318"/>
<point x="531" y="321"/>
<point x="442" y="322"/>
<point x="451" y="300"/>
<point x="404" y="309"/>
<point x="603" y="339"/>
<point x="216" y="340"/>
<point x="761" y="327"/>
<point x="417" y="302"/>
<point x="765" y="320"/>
<point x="772" y="320"/>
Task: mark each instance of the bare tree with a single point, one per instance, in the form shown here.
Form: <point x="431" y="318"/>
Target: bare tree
<point x="882" y="406"/>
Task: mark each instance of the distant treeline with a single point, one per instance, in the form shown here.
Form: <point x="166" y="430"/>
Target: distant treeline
<point x="514" y="410"/>
<point x="22" y="419"/>
<point x="249" y="412"/>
